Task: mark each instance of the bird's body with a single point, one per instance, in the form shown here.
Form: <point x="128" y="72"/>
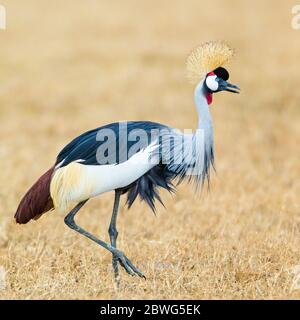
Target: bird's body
<point x="128" y="164"/>
<point x="120" y="169"/>
<point x="136" y="158"/>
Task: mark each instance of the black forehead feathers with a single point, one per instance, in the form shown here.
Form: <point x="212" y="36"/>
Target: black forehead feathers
<point x="221" y="73"/>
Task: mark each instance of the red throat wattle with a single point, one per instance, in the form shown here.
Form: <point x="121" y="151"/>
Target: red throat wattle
<point x="209" y="98"/>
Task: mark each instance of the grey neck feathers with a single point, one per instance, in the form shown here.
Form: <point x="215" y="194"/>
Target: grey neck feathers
<point x="206" y="127"/>
<point x="194" y="163"/>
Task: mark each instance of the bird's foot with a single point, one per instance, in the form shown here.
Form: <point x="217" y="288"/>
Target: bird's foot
<point x="127" y="264"/>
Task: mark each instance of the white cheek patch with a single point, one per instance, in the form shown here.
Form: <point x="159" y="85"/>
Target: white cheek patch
<point x="211" y="83"/>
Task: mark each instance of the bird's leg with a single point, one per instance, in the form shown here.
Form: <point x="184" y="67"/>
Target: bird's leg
<point x="124" y="261"/>
<point x="113" y="235"/>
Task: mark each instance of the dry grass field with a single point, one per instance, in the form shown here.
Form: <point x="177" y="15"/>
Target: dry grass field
<point x="68" y="66"/>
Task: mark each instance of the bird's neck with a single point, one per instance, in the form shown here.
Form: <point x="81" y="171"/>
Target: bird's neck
<point x="204" y="116"/>
<point x="205" y="129"/>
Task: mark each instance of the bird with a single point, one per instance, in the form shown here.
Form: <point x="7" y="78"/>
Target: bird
<point x="134" y="158"/>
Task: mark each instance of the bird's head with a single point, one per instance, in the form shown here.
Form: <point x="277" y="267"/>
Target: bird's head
<point x="205" y="67"/>
<point x="216" y="81"/>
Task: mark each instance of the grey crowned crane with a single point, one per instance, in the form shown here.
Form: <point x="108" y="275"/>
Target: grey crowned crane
<point x="134" y="158"/>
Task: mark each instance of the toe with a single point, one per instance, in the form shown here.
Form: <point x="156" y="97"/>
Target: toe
<point x="135" y="269"/>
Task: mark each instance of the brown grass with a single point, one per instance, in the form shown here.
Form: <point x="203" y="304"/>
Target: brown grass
<point x="67" y="66"/>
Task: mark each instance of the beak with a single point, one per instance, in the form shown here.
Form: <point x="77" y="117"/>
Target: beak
<point x="226" y="86"/>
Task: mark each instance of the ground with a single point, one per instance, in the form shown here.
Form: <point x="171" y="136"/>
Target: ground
<point x="66" y="67"/>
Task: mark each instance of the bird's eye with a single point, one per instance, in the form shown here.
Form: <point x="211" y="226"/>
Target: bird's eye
<point x="211" y="83"/>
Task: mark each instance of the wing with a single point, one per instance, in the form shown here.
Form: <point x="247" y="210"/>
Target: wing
<point x="116" y="142"/>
